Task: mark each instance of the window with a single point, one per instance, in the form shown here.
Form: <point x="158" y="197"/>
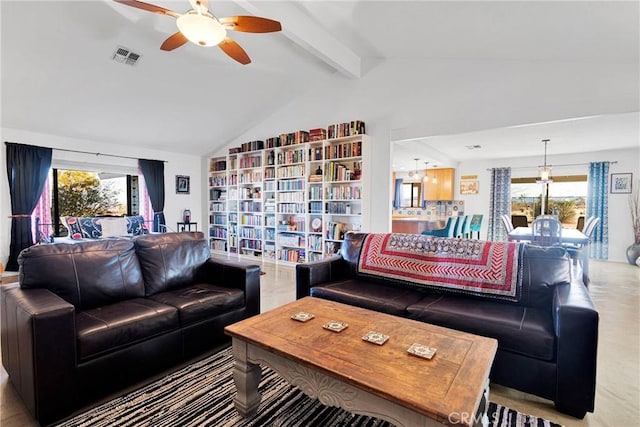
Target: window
<point x="83" y="193"/>
<point x="566" y="196"/>
<point x="410" y="195"/>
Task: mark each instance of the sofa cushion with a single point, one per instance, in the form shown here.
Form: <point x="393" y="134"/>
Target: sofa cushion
<point x="83" y="227"/>
<point x="113" y="227"/>
<point x="544" y="268"/>
<point x="86" y="274"/>
<point x="518" y="329"/>
<point x="201" y="301"/>
<point x="170" y="260"/>
<point x="136" y="225"/>
<point x="373" y="296"/>
<point x="111" y="327"/>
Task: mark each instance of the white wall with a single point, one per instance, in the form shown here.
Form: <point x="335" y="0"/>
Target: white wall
<point x="177" y="164"/>
<point x="620" y="230"/>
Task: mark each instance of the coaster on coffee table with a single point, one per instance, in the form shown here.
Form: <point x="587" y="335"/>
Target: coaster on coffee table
<point x="421" y="350"/>
<point x="376" y="337"/>
<point x="335" y="326"/>
<point x="302" y="316"/>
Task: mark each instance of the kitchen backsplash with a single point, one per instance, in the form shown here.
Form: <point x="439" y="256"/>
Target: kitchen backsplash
<point x="434" y="209"/>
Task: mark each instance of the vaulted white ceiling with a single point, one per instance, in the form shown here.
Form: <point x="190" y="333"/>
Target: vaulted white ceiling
<point x="58" y="76"/>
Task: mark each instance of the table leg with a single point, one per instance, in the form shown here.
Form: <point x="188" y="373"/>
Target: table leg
<point x="584" y="254"/>
<point x="481" y="419"/>
<point x="246" y="376"/>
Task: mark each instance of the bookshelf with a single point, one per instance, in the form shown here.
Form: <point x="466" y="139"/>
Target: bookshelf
<point x="289" y="203"/>
<point x="218" y="193"/>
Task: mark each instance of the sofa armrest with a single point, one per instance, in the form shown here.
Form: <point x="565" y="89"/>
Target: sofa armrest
<point x="234" y="274"/>
<point x="576" y="328"/>
<point x="38" y="340"/>
<point x="319" y="272"/>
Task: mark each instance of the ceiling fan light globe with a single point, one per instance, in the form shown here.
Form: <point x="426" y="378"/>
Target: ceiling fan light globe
<point x="203" y="30"/>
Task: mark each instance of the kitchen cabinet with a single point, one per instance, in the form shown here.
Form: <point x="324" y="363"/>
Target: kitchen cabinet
<point x="439" y="184"/>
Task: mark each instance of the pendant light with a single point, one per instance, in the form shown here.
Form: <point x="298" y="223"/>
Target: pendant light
<point x="545" y="171"/>
<point x="545" y="180"/>
<point x="414" y="173"/>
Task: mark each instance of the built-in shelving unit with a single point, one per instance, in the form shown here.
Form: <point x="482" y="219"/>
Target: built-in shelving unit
<point x="290" y="203"/>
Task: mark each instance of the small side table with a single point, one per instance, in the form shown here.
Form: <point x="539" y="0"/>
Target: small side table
<point x="186" y="226"/>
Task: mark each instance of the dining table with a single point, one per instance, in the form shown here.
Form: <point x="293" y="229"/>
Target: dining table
<point x="570" y="238"/>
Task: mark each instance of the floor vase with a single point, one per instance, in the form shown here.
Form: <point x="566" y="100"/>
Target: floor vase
<point x="633" y="253"/>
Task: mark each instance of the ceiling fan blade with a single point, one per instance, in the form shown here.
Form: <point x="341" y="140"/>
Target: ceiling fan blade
<point x="250" y="24"/>
<point x="174" y="41"/>
<point x="148" y="7"/>
<point x="234" y="50"/>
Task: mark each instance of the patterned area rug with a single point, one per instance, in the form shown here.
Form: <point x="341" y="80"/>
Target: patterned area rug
<point x="201" y="394"/>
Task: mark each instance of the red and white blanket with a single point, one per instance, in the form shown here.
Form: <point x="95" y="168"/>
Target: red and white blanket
<point x="490" y="269"/>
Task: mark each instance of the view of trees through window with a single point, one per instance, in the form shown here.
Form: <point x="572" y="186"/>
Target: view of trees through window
<point x="565" y="195"/>
<point x="82" y="193"/>
<point x="88" y="194"/>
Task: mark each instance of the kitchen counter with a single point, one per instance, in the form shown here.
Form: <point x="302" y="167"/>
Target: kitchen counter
<point x="414" y="224"/>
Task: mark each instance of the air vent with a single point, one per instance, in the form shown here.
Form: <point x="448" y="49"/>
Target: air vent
<point x="473" y="147"/>
<point x="125" y="56"/>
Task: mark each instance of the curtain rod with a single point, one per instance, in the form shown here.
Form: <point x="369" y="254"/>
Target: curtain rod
<point x="102" y="154"/>
<point x="555" y="166"/>
<point x="89" y="152"/>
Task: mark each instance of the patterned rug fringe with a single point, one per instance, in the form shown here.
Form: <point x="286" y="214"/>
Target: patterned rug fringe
<point x="201" y="394"/>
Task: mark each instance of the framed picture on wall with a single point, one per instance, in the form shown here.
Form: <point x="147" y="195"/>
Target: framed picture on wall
<point x="621" y="182"/>
<point x="182" y="184"/>
<point x="469" y="187"/>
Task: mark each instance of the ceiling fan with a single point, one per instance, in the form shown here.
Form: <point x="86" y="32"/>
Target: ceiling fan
<point x="201" y="27"/>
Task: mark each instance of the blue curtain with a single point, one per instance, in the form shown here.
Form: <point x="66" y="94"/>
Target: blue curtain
<point x="153" y="172"/>
<point x="27" y="170"/>
<point x="598" y="206"/>
<point x="500" y="202"/>
<point x="397" y="193"/>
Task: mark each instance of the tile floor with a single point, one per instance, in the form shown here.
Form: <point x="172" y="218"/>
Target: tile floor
<point x="615" y="290"/>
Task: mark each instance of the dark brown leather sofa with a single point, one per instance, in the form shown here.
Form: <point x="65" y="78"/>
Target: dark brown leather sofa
<point x="547" y="341"/>
<point x="92" y="317"/>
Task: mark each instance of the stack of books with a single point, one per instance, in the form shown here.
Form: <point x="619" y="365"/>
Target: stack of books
<point x="317" y="134"/>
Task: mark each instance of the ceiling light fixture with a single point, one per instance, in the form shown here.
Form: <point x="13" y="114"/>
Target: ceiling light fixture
<point x="202" y="29"/>
<point x="414" y="173"/>
<point x="545" y="171"/>
<point x="425" y="178"/>
<point x="545" y="180"/>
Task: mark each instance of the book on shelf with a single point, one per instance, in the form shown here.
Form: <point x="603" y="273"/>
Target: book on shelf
<point x="335" y="230"/>
<point x="252" y="146"/>
<point x="317" y="134"/>
<point x="340" y="130"/>
<point x="217" y="165"/>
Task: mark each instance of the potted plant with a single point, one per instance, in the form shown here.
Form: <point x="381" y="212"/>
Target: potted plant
<point x="633" y="251"/>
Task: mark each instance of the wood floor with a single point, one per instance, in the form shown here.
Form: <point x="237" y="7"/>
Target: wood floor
<point x="615" y="290"/>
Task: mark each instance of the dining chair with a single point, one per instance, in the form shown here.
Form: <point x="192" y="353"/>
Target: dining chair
<point x="506" y="221"/>
<point x="447" y="231"/>
<point x="466" y="227"/>
<point x="519" y="221"/>
<point x="578" y="253"/>
<point x="546" y="232"/>
<point x="459" y="224"/>
<point x="476" y="224"/>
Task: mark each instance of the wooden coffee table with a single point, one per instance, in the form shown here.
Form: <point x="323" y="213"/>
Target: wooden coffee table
<point x="341" y="369"/>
